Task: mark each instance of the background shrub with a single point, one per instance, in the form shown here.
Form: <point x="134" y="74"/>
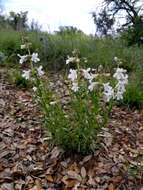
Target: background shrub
<point x="2" y="58"/>
<point x="54" y="48"/>
<point x="134" y="93"/>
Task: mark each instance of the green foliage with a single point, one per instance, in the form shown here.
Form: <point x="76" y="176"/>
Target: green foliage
<point x="54" y="48"/>
<point x="110" y="13"/>
<point x="134" y="93"/>
<point x="2" y="58"/>
<point x="134" y="34"/>
<point x="104" y="22"/>
<point x="69" y="30"/>
<point x="18" y="21"/>
<point x="76" y="127"/>
<point x="10" y="42"/>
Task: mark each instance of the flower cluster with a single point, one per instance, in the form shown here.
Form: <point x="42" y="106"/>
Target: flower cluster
<point x="117" y="61"/>
<point x="73" y="77"/>
<point x="33" y="59"/>
<point x="23" y="58"/>
<point x="86" y="74"/>
<point x="89" y="76"/>
<point x="122" y="78"/>
<point x="26" y="73"/>
<point x="117" y="93"/>
<point x="75" y="58"/>
<point x="72" y="60"/>
<point x="109" y="92"/>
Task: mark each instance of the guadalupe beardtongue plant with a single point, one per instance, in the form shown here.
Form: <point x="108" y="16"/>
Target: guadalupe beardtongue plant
<point x="77" y="127"/>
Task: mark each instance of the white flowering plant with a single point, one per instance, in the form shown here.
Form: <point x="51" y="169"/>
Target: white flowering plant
<point x="34" y="73"/>
<point x="76" y="125"/>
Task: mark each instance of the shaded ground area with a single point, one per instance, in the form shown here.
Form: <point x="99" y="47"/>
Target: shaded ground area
<point x="27" y="162"/>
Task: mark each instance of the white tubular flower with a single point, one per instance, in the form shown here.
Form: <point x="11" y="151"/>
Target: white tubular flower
<point x="108" y="92"/>
<point x="86" y="73"/>
<point x="115" y="59"/>
<point x="72" y="75"/>
<point x="122" y="79"/>
<point x="119" y="95"/>
<point x="120" y="74"/>
<point x="75" y="86"/>
<point x="23" y="46"/>
<point x="39" y="70"/>
<point x="70" y="60"/>
<point x="23" y="58"/>
<point x="85" y="60"/>
<point x="121" y="86"/>
<point x="34" y="58"/>
<point x="77" y="60"/>
<point x="120" y="90"/>
<point x="34" y="89"/>
<point x="92" y="86"/>
<point x="26" y="74"/>
<point x="100" y="68"/>
<point x="53" y="103"/>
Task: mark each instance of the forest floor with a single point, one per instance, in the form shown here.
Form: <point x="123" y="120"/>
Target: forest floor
<point x="28" y="162"/>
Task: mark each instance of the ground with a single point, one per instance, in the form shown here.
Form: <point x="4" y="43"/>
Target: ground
<point x="29" y="162"/>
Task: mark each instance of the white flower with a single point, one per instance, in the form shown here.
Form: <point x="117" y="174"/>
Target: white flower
<point x="86" y="73"/>
<point x="34" y="89"/>
<point x="85" y="60"/>
<point x="23" y="46"/>
<point x="120" y="90"/>
<point x="72" y="75"/>
<point x="122" y="79"/>
<point x="108" y="92"/>
<point x="77" y="60"/>
<point x="39" y="70"/>
<point x="26" y="74"/>
<point x="106" y="74"/>
<point x="121" y="86"/>
<point x="100" y="68"/>
<point x="70" y="60"/>
<point x="53" y="102"/>
<point x="92" y="85"/>
<point x="23" y="58"/>
<point x="115" y="59"/>
<point x="75" y="86"/>
<point x="120" y="74"/>
<point x="35" y="58"/>
<point x="119" y="96"/>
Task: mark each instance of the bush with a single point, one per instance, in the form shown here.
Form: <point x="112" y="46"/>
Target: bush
<point x="134" y="93"/>
<point x="10" y="42"/>
<point x="76" y="126"/>
<point x="54" y="48"/>
<point x="133" y="35"/>
<point x="2" y="58"/>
